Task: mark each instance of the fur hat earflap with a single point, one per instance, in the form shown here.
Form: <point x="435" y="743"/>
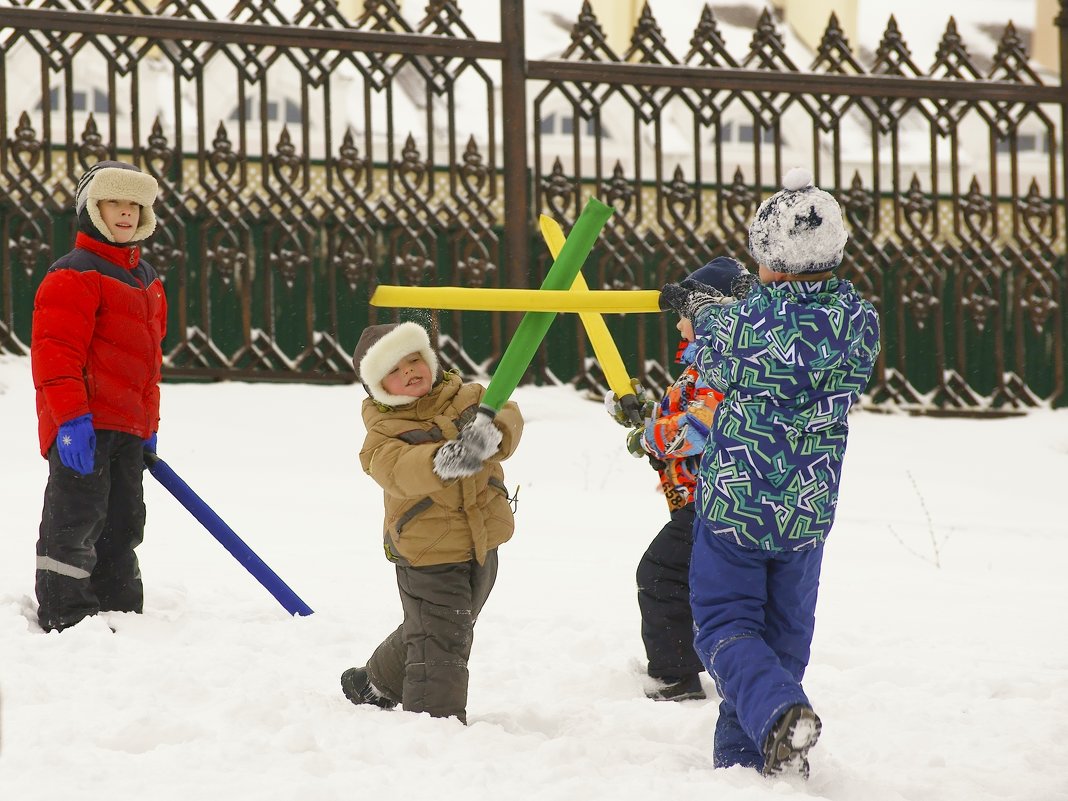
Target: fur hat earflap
<point x="116" y="180"/>
<point x="799" y="229"/>
<point x="381" y="347"/>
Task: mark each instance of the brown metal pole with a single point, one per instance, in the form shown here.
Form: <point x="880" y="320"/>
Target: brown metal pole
<point x="1061" y="21"/>
<point x="517" y="220"/>
<point x="1059" y="366"/>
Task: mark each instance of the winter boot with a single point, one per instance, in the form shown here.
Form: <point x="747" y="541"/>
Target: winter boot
<point x="672" y="689"/>
<point x="786" y="749"/>
<point x="358" y="689"/>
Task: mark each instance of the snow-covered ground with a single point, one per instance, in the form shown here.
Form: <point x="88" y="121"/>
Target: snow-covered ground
<point x="940" y="664"/>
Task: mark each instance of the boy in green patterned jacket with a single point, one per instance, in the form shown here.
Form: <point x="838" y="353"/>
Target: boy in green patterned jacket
<point x="791" y="358"/>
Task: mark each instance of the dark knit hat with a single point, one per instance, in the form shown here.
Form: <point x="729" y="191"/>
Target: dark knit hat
<point x="723" y="273"/>
<point x="381" y="347"/>
<point x="798" y="229"/>
<point x="115" y="180"/>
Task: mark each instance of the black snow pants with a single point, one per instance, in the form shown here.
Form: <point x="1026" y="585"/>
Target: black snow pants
<point x="664" y="599"/>
<point x="423" y="664"/>
<point x="89" y="529"/>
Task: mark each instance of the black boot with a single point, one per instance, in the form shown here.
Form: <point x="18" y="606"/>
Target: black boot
<point x="673" y="689"/>
<point x="786" y="749"/>
<point x="358" y="689"/>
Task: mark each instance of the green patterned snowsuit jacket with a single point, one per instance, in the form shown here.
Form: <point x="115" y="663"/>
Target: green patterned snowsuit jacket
<point x="791" y="359"/>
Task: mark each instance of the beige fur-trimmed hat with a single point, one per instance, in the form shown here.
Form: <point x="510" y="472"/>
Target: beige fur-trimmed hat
<point x="381" y="347"/>
<point x="117" y="180"/>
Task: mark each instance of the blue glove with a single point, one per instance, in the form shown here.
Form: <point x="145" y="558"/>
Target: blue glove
<point x="77" y="444"/>
<point x="150" y="443"/>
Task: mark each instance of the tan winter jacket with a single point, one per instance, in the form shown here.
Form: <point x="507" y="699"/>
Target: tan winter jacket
<point x="429" y="521"/>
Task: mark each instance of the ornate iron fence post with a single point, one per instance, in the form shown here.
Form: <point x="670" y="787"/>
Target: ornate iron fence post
<point x="517" y="218"/>
<point x="1059" y="366"/>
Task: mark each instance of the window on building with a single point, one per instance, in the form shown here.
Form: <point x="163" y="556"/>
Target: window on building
<point x="743" y="134"/>
<point x="1025" y="143"/>
<point x="566" y="127"/>
<point x="594" y="126"/>
<point x="79" y="100"/>
<point x="273" y="110"/>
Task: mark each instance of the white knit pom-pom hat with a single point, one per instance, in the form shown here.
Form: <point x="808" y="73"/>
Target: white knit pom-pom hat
<point x="799" y="229"/>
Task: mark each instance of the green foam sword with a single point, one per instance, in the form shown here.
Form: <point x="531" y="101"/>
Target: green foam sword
<point x="534" y="325"/>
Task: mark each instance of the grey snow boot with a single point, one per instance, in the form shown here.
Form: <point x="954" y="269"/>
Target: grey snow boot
<point x="786" y="749"/>
<point x="358" y="689"/>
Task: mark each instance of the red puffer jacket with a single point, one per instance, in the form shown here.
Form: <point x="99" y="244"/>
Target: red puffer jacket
<point x="99" y="319"/>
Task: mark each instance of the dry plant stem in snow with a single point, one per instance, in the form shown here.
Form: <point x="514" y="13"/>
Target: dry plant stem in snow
<point x="937" y="562"/>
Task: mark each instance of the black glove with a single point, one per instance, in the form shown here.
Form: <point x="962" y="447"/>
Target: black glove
<point x="742" y="285"/>
<point x="643" y="406"/>
<point x="688" y="297"/>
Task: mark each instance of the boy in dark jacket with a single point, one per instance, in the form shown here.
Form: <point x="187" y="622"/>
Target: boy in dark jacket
<point x="438" y="462"/>
<point x="99" y="319"/>
<point x="791" y="359"/>
<point x="674" y="437"/>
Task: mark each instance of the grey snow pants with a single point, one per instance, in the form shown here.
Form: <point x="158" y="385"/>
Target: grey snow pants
<point x="423" y="664"/>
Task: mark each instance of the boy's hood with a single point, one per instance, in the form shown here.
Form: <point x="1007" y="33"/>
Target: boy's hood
<point x="834" y="318"/>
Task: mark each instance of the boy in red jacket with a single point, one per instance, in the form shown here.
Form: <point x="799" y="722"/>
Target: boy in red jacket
<point x="99" y="319"/>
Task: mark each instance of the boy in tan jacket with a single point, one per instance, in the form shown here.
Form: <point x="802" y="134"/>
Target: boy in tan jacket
<point x="438" y="462"/>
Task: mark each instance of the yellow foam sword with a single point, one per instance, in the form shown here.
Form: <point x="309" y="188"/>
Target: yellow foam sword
<point x="604" y="347"/>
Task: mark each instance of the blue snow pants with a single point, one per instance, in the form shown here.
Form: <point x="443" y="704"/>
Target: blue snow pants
<point x="754" y="612"/>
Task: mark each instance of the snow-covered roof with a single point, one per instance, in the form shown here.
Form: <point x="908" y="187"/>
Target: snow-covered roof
<point x="922" y="24"/>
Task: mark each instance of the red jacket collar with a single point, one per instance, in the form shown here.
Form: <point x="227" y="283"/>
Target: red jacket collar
<point x="125" y="257"/>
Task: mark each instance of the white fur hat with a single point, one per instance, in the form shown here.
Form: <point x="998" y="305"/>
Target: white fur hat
<point x="117" y="180"/>
<point x="381" y="347"/>
<point x="798" y="229"/>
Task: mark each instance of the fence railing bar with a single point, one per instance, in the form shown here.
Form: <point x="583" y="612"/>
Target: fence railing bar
<point x="802" y="83"/>
<point x="224" y="32"/>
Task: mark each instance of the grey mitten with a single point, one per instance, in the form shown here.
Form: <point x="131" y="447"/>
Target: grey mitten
<point x="481" y="437"/>
<point x="454" y="460"/>
<point x="463" y="456"/>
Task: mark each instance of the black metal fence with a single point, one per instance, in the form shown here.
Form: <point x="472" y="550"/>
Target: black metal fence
<point x="305" y="157"/>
